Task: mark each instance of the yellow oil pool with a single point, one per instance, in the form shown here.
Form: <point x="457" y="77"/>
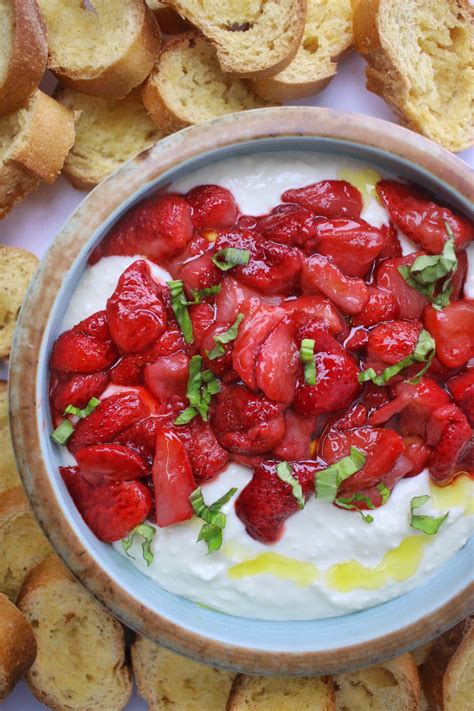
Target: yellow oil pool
<point x="458" y="494"/>
<point x="364" y="179"/>
<point x="281" y="566"/>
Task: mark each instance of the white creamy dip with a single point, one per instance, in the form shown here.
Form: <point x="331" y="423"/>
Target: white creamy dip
<point x="315" y="569"/>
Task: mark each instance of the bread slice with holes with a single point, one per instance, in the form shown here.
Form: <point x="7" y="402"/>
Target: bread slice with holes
<point x="258" y="693"/>
<point x="419" y="59"/>
<point x="17" y="267"/>
<point x="252" y="39"/>
<point x="8" y="472"/>
<point x="80" y="664"/>
<point x="17" y="646"/>
<point x="327" y="37"/>
<point x="23" y="52"/>
<point x="168" y="19"/>
<point x="108" y="132"/>
<point x="187" y="86"/>
<point x="392" y="685"/>
<point x="169" y="681"/>
<point x="103" y="47"/>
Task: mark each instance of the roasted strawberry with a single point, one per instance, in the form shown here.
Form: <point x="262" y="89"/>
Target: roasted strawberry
<point x="308" y="308"/>
<point x="375" y="396"/>
<point x="202" y="317"/>
<point x="376" y="495"/>
<point x="353" y="244"/>
<point x="331" y="198"/>
<point x="421" y="219"/>
<point x="417" y="404"/>
<point x="267" y="502"/>
<point x="462" y="390"/>
<point x="321" y="275"/>
<point x="289" y="224"/>
<point x="459" y="278"/>
<point x="450" y="433"/>
<point x="206" y="455"/>
<point x="110" y="462"/>
<point x="278" y="363"/>
<point x="231" y="297"/>
<point x="357" y="339"/>
<point x="392" y="247"/>
<point x="173" y="480"/>
<point x="212" y="206"/>
<point x="392" y="341"/>
<point x="111" y="510"/>
<point x="141" y="437"/>
<point x="129" y="369"/>
<point x="77" y="390"/>
<point x="453" y="330"/>
<point x="157" y="228"/>
<point x="418" y="452"/>
<point x="167" y="377"/>
<point x="195" y="266"/>
<point x="388" y="278"/>
<point x="296" y="442"/>
<point x="135" y="312"/>
<point x="381" y="306"/>
<point x="86" y="348"/>
<point x="355" y="417"/>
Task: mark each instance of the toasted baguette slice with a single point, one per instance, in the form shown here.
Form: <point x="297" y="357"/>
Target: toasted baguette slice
<point x="252" y="39"/>
<point x="17" y="267"/>
<point x="80" y="664"/>
<point x="187" y="86"/>
<point x="169" y="21"/>
<point x="8" y="472"/>
<point x="393" y="685"/>
<point x="23" y="52"/>
<point x="327" y="36"/>
<point x="108" y="132"/>
<point x="258" y="693"/>
<point x="458" y="682"/>
<point x="419" y="56"/>
<point x="168" y="681"/>
<point x="105" y="51"/>
<point x="22" y="542"/>
<point x="17" y="646"/>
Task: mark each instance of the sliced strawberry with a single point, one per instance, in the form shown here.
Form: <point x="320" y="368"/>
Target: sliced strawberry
<point x="450" y="433"/>
<point x="141" y="437"/>
<point x="157" y="228"/>
<point x="173" y="480"/>
<point x="355" y="417"/>
<point x="231" y="297"/>
<point x="373" y="496"/>
<point x="167" y="377"/>
<point x="421" y="219"/>
<point x="110" y="462"/>
<point x="392" y="247"/>
<point x="375" y="396"/>
<point x="278" y="363"/>
<point x="462" y="390"/>
<point x="308" y="308"/>
<point x="357" y="339"/>
<point x="206" y="455"/>
<point x="411" y="303"/>
<point x="77" y="390"/>
<point x="421" y="400"/>
<point x="86" y="348"/>
<point x="331" y="198"/>
<point x="392" y="341"/>
<point x="202" y="317"/>
<point x="453" y="330"/>
<point x="296" y="442"/>
<point x="353" y="244"/>
<point x="418" y="452"/>
<point x="381" y="306"/>
<point x="289" y="224"/>
<point x="129" y="369"/>
<point x="321" y="275"/>
<point x="195" y="266"/>
<point x="212" y="206"/>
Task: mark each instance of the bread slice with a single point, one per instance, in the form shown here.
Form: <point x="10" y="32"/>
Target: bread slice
<point x="8" y="472"/>
<point x="252" y="39"/>
<point x="23" y="52"/>
<point x="80" y="664"/>
<point x="169" y="21"/>
<point x="393" y="685"/>
<point x="22" y="542"/>
<point x="187" y="86"/>
<point x="420" y="60"/>
<point x="17" y="646"/>
<point x="458" y="682"/>
<point x="170" y="682"/>
<point x="17" y="267"/>
<point x="108" y="132"/>
<point x="102" y="47"/>
<point x="258" y="693"/>
<point x="327" y="36"/>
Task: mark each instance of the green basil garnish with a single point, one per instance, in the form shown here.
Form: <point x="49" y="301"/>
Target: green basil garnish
<point x="308" y="360"/>
<point x="224" y="338"/>
<point x="427" y="524"/>
<point x="424" y="352"/>
<point x="147" y="532"/>
<point x="283" y="471"/>
<point x="202" y="385"/>
<point x="327" y="481"/>
<point x="230" y="257"/>
<point x="214" y="519"/>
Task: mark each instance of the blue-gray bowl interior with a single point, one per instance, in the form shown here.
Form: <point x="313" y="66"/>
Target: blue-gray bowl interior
<point x="277" y="636"/>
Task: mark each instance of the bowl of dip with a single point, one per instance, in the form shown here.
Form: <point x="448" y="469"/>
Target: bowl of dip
<point x="333" y="593"/>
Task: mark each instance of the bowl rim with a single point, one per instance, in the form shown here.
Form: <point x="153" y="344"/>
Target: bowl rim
<point x="97" y="208"/>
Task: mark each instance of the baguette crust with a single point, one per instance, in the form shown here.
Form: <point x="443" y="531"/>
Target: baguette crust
<point x="458" y="681"/>
<point x="15" y="185"/>
<point x="17" y="646"/>
<point x="17" y="267"/>
<point x="255" y="693"/>
<point x="169" y="21"/>
<point x="29" y="54"/>
<point x="8" y="473"/>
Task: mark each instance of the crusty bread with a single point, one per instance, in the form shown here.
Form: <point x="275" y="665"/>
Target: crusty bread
<point x="105" y="51"/>
<point x="169" y="682"/>
<point x="17" y="646"/>
<point x="327" y="36"/>
<point x="258" y="693"/>
<point x="8" y="472"/>
<point x="17" y="267"/>
<point x="252" y="38"/>
<point x="421" y="654"/>
<point x="22" y="542"/>
<point x="458" y="682"/>
<point x="108" y="132"/>
<point x="170" y="22"/>
<point x="187" y="86"/>
<point x="420" y="60"/>
<point x="23" y="52"/>
<point x="391" y="686"/>
<point x="80" y="664"/>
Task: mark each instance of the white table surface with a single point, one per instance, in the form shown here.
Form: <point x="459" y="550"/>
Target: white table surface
<point x="34" y="223"/>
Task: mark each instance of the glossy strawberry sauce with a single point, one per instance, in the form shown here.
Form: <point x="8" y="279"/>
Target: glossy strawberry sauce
<point x="296" y="336"/>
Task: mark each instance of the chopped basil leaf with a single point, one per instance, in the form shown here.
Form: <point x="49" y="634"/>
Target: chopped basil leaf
<point x="90" y="407"/>
<point x="186" y="416"/>
<point x="427" y="524"/>
<point x="308" y="360"/>
<point x="283" y="471"/>
<point x="424" y="352"/>
<point x="200" y="294"/>
<point x="384" y="492"/>
<point x="214" y="519"/>
<point x="179" y="304"/>
<point x="222" y="339"/>
<point x="202" y="385"/>
<point x="230" y="257"/>
<point x="147" y="532"/>
<point x="348" y="503"/>
<point x="328" y="480"/>
<point x="62" y="432"/>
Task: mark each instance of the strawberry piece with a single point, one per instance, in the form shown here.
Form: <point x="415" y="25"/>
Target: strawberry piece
<point x="392" y="247"/>
<point x="411" y="303"/>
<point x="459" y="278"/>
<point x="450" y="433"/>
<point x="381" y="306"/>
<point x="289" y="224"/>
<point x="296" y="442"/>
<point x="372" y="494"/>
<point x="357" y="339"/>
<point x="77" y="390"/>
<point x="392" y="341"/>
<point x="309" y="308"/>
<point x="421" y="219"/>
<point x="157" y="228"/>
<point x="421" y="400"/>
<point x="246" y="422"/>
<point x="267" y="502"/>
<point x="418" y="452"/>
<point x="353" y="244"/>
<point x="212" y="206"/>
<point x="86" y="348"/>
<point x="202" y="317"/>
<point x="331" y="198"/>
<point x="167" y="378"/>
<point x="355" y="417"/>
<point x="195" y="266"/>
<point x="110" y="462"/>
<point x="111" y="510"/>
<point x="231" y="297"/>
<point x="173" y="480"/>
<point x="461" y="388"/>
<point x="141" y="437"/>
<point x="135" y="311"/>
<point x="129" y="369"/>
<point x="278" y="363"/>
<point x="453" y="330"/>
<point x="206" y="455"/>
<point x="321" y="275"/>
<point x="375" y="396"/>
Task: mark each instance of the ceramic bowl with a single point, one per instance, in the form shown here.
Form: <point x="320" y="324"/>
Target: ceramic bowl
<point x="301" y="647"/>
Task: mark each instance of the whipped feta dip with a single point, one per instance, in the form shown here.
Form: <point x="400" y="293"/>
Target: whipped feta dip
<point x="329" y="561"/>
